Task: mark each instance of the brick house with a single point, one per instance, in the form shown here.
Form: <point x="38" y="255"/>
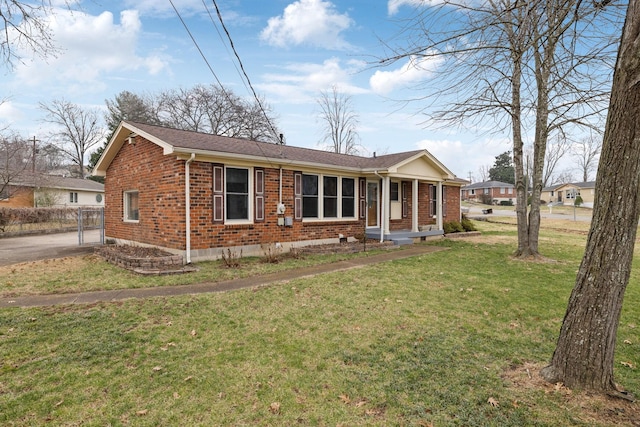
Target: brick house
<point x="489" y="192"/>
<point x="196" y="194"/>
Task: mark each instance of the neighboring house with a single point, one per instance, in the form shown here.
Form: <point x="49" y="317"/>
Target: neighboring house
<point x="489" y="192"/>
<point x="41" y="190"/>
<point x="566" y="194"/>
<point x="195" y="194"/>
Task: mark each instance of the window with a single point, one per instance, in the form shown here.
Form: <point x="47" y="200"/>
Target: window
<point x="330" y="196"/>
<point x="131" y="212"/>
<point x="433" y="200"/>
<point x="73" y="197"/>
<point x="510" y="190"/>
<point x="486" y="191"/>
<point x="237" y="193"/>
<point x="310" y="196"/>
<point x="393" y="192"/>
<point x="334" y="198"/>
<point x="503" y="190"/>
<point x="473" y="192"/>
<point x="348" y="197"/>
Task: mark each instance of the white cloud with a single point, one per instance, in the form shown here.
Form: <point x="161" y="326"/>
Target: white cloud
<point x="413" y="71"/>
<point x="308" y="22"/>
<point x="90" y="46"/>
<point x="301" y="82"/>
<point x="393" y="6"/>
<point x="8" y="113"/>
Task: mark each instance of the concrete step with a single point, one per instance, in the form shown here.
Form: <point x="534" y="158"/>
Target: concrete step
<point x="402" y="241"/>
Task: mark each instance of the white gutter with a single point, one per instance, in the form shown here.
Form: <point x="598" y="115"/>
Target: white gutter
<point x="187" y="199"/>
<point x="381" y="207"/>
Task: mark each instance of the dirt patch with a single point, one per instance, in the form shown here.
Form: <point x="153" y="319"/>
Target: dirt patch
<point x="588" y="407"/>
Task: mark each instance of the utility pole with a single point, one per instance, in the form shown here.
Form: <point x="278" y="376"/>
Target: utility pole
<point x="33" y="156"/>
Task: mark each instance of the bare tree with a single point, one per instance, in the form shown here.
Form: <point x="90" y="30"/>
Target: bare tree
<point x="586" y="152"/>
<point x="78" y="130"/>
<point x="25" y="29"/>
<point x="516" y="62"/>
<point x="555" y="152"/>
<point x="16" y="160"/>
<point x="215" y="110"/>
<point x="483" y="172"/>
<point x="340" y="122"/>
<point x="584" y="354"/>
<point x="563" y="177"/>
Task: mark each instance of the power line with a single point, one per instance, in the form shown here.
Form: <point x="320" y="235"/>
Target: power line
<point x="196" y="44"/>
<point x="218" y="80"/>
<point x="233" y="48"/>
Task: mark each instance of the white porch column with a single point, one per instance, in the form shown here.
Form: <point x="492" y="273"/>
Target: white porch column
<point x="439" y="205"/>
<point x="386" y="186"/>
<point x="414" y="206"/>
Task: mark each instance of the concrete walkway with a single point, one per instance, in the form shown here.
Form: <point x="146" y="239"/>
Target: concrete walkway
<point x="37" y="247"/>
<point x="200" y="288"/>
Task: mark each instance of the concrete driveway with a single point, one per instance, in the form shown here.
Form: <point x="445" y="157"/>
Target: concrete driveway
<point x="14" y="250"/>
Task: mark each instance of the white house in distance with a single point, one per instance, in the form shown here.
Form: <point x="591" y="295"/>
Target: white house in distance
<point x="42" y="190"/>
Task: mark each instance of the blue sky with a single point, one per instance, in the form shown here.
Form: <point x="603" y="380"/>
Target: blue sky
<point x="291" y="51"/>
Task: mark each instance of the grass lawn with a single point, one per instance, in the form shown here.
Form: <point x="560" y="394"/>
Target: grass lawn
<point x="452" y="338"/>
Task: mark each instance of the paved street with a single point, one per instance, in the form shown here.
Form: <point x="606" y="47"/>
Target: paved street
<point x="545" y="212"/>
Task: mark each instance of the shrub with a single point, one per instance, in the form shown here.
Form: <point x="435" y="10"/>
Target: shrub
<point x="486" y="199"/>
<point x="506" y="202"/>
<point x="467" y="224"/>
<point x="231" y="259"/>
<point x="578" y="201"/>
<point x="452" y="227"/>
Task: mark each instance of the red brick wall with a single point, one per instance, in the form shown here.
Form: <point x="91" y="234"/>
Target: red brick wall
<point x="452" y="208"/>
<point x="160" y="182"/>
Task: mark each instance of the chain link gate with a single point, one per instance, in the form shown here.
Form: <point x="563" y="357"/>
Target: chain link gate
<point x="90" y="226"/>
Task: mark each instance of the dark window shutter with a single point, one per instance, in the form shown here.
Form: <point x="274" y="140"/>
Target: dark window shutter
<point x="362" y="197"/>
<point x="405" y="202"/>
<point x="218" y="193"/>
<point x="297" y="196"/>
<point x="259" y="191"/>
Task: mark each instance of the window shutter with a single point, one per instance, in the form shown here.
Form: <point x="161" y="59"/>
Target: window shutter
<point x="405" y="202"/>
<point x="259" y="191"/>
<point x="362" y="197"/>
<point x="297" y="196"/>
<point x="218" y="193"/>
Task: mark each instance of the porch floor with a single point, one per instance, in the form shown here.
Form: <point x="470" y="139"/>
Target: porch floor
<point x="402" y="237"/>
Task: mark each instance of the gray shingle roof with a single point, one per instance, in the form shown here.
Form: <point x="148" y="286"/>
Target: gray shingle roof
<point x="189" y="140"/>
<point x="487" y="184"/>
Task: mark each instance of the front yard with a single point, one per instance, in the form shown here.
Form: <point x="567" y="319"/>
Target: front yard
<point x="450" y="338"/>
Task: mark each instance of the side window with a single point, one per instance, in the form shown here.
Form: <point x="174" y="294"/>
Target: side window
<point x="131" y="202"/>
<point x="73" y="197"/>
<point x="393" y="192"/>
<point x="237" y="193"/>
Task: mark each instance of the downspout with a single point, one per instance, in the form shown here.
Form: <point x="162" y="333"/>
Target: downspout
<point x="187" y="198"/>
<point x="280" y="188"/>
<point x="381" y="207"/>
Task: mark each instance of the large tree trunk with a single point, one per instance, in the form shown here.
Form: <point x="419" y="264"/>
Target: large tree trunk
<point x="584" y="355"/>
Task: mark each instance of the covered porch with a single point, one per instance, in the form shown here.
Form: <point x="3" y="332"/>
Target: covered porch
<point x="404" y="237"/>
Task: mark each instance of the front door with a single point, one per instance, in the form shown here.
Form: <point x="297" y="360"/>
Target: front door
<point x="372" y="204"/>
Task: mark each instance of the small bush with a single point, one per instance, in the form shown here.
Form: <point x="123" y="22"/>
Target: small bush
<point x="506" y="202"/>
<point x="467" y="224"/>
<point x="452" y="227"/>
<point x="231" y="259"/>
<point x="271" y="253"/>
<point x="578" y="201"/>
